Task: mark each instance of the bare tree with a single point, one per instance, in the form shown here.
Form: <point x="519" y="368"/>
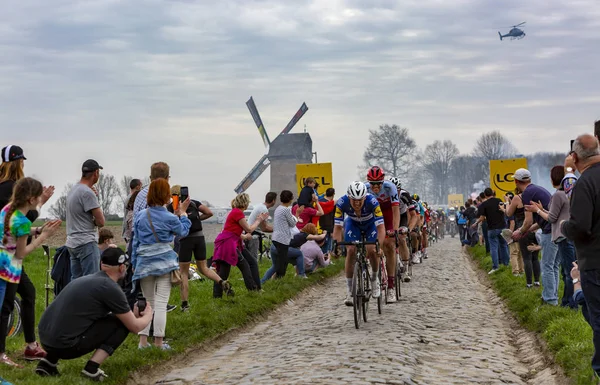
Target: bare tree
<point x="494" y="145"/>
<point x="437" y="162"/>
<point x="390" y="147"/>
<point x="108" y="190"/>
<point x="59" y="209"/>
<point x="465" y="170"/>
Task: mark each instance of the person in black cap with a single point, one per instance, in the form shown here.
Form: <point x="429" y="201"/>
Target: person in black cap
<point x="83" y="216"/>
<point x="91" y="314"/>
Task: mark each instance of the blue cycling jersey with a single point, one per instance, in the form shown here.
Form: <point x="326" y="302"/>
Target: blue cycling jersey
<point x="370" y="212"/>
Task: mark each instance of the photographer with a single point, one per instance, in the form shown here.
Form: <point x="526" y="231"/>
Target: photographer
<point x="194" y="243"/>
<point x="90" y="314"/>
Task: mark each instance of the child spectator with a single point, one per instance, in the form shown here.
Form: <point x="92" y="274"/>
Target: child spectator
<point x="105" y="239"/>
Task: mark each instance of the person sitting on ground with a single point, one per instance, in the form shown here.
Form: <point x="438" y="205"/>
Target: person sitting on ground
<point x="91" y="314"/>
<point x="228" y="245"/>
<point x="106" y="239"/>
<point x="294" y="255"/>
<point x="153" y="259"/>
<point x="312" y="250"/>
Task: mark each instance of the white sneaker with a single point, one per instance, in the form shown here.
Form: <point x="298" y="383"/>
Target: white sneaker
<point x="492" y="271"/>
<point x="349" y="301"/>
<point x="391" y="295"/>
<point x="415" y="258"/>
<point x="407" y="278"/>
<point x="376" y="287"/>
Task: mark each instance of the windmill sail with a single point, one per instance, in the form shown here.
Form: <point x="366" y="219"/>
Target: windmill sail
<point x="258" y="121"/>
<point x="253" y="175"/>
<point x="295" y="119"/>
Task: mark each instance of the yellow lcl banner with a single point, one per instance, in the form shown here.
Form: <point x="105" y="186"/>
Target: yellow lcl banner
<point x="502" y="173"/>
<point x="322" y="172"/>
<point x="455" y="200"/>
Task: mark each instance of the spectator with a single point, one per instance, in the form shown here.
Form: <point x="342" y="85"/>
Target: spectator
<point x="309" y="213"/>
<point x="252" y="245"/>
<point x="128" y="233"/>
<point x="578" y="296"/>
<point x="516" y="260"/>
<point x="83" y="215"/>
<point x="483" y="228"/>
<point x="153" y="259"/>
<point x="471" y="216"/>
<point x="11" y="171"/>
<point x="530" y="255"/>
<point x="489" y="211"/>
<point x="461" y="222"/>
<point x="15" y="228"/>
<point x="158" y="170"/>
<point x="283" y="222"/>
<point x="559" y="211"/>
<point x="326" y="220"/>
<point x="194" y="244"/>
<point x="228" y="245"/>
<point x="583" y="228"/>
<point x="106" y="239"/>
<point x="135" y="185"/>
<point x="308" y="193"/>
<point x="311" y="251"/>
<point x="91" y="314"/>
<point x="550" y="261"/>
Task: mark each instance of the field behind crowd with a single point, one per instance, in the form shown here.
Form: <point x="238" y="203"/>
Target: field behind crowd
<point x="206" y="319"/>
<point x="211" y="230"/>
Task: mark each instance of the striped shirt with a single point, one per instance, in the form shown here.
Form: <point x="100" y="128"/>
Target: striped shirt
<point x="283" y="222"/>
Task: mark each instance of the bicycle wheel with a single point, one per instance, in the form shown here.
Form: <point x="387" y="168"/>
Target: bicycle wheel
<point x="398" y="280"/>
<point x="15" y="323"/>
<point x="357" y="299"/>
<point x="366" y="291"/>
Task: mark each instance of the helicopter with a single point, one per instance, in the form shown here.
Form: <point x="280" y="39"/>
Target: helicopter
<point x="514" y="33"/>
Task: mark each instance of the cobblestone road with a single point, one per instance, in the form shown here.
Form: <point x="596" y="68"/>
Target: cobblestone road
<point x="447" y="329"/>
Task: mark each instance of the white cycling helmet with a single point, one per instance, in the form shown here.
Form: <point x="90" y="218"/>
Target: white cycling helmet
<point x="395" y="180"/>
<point x="357" y="190"/>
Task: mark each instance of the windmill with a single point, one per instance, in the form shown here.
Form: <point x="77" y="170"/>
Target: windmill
<point x="285" y="150"/>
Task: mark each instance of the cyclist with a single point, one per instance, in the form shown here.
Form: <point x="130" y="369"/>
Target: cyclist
<point x="363" y="215"/>
<point x="425" y="230"/>
<point x="387" y="196"/>
<point x="408" y="221"/>
<point x="416" y="234"/>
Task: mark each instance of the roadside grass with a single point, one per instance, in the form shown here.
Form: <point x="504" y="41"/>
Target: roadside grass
<point x="206" y="319"/>
<point x="567" y="334"/>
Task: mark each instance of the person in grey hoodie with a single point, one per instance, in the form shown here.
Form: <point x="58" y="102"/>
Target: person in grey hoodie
<point x="557" y="212"/>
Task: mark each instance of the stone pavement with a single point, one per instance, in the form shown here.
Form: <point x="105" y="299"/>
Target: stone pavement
<point x="448" y="328"/>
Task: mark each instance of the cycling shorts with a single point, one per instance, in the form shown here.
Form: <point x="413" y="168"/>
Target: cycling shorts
<point x="404" y="220"/>
<point x="388" y="219"/>
<point x="354" y="229"/>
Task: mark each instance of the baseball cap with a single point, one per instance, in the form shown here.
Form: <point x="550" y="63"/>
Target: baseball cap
<point x="114" y="256"/>
<point x="12" y="152"/>
<point x="90" y="165"/>
<point x="523" y="175"/>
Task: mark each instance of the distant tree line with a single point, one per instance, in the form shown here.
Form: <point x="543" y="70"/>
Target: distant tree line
<point x="439" y="168"/>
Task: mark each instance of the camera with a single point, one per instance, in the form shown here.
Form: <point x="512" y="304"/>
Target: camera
<point x="141" y="302"/>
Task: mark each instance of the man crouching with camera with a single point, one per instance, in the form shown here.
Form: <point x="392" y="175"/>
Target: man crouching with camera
<point x="91" y="314"/>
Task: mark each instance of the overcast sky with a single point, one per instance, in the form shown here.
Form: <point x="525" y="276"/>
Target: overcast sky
<point x="132" y="82"/>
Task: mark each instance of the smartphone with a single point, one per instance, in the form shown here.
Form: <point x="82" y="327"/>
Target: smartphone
<point x="572" y="141"/>
<point x="184" y="194"/>
<point x="141" y="302"/>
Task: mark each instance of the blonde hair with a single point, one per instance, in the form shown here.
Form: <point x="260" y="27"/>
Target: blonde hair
<point x="310" y="229"/>
<point x="241" y="201"/>
<point x="12" y="171"/>
<point x="176" y="190"/>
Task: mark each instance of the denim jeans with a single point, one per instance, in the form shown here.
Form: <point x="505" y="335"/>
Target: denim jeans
<point x="498" y="248"/>
<point x="85" y="260"/>
<point x="271" y="271"/>
<point x="590" y="284"/>
<point x="3" y="284"/>
<point x="566" y="255"/>
<point x="326" y="248"/>
<point x="295" y="257"/>
<point x="486" y="237"/>
<point x="550" y="269"/>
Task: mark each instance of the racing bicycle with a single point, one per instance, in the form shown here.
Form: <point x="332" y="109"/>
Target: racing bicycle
<point x="361" y="280"/>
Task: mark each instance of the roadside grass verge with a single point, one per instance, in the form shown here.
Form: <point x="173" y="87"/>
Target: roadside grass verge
<point x="206" y="319"/>
<point x="566" y="333"/>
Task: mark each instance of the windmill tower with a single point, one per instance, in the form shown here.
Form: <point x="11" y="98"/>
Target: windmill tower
<point x="283" y="153"/>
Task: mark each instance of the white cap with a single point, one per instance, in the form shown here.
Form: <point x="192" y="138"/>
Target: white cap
<point x="523" y="175"/>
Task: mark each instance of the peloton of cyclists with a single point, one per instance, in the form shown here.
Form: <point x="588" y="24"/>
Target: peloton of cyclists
<point x="409" y="220"/>
<point x="363" y="216"/>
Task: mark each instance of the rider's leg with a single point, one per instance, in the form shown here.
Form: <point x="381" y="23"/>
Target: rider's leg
<point x="350" y="259"/>
<point x="389" y="249"/>
<point x="403" y="248"/>
<point x="374" y="259"/>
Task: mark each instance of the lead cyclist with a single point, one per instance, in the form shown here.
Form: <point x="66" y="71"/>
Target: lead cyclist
<point x="409" y="220"/>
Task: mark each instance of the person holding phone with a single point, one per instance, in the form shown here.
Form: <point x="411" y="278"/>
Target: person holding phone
<point x="194" y="244"/>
